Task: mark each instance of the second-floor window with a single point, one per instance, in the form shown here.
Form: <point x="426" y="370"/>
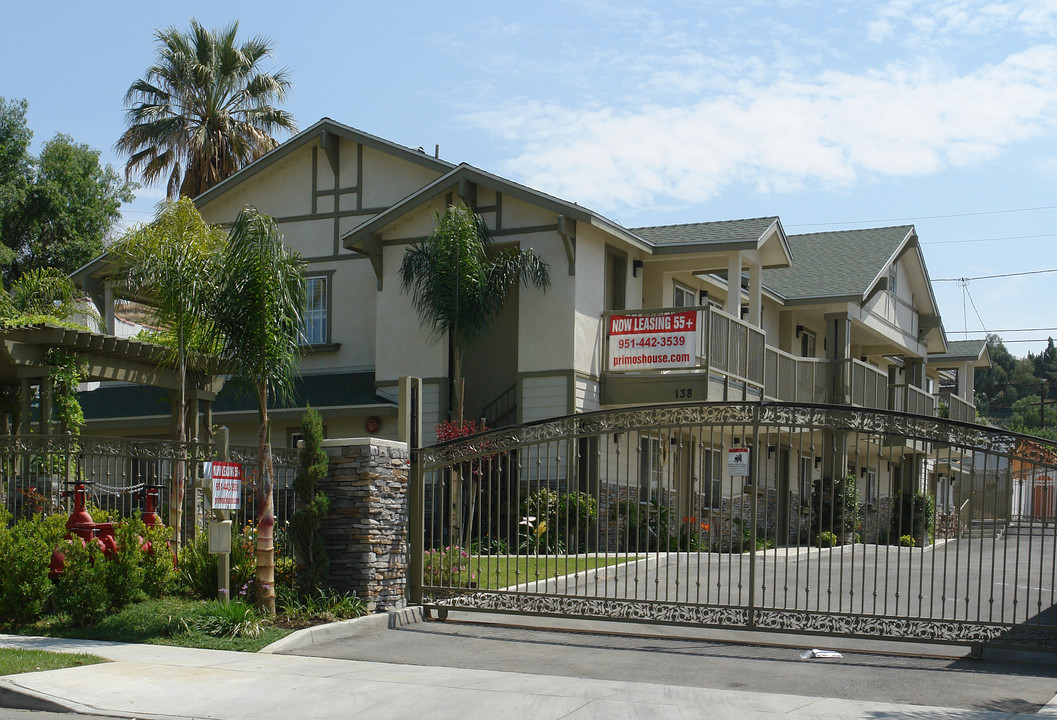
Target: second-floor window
<point x="684" y="297"/>
<point x="807" y="344"/>
<point x="314" y="327"/>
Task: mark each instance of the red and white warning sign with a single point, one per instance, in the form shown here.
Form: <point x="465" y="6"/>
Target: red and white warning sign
<point x="227" y="484"/>
<point x="738" y="461"/>
<point x="653" y="342"/>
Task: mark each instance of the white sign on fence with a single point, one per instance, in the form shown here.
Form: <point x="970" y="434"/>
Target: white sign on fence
<point x="738" y="462"/>
<point x="653" y="342"/>
<point x="227" y="484"/>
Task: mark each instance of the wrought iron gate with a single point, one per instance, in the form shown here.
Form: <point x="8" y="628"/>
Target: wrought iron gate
<point x="774" y="517"/>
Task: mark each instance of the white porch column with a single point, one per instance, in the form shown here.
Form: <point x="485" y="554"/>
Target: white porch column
<point x="755" y="294"/>
<point x="966" y="381"/>
<point x="733" y="304"/>
<point x="108" y="310"/>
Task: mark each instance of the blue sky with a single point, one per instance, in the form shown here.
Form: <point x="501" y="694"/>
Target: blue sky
<point x="831" y="115"/>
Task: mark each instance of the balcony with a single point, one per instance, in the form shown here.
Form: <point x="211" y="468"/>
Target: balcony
<point x="680" y="354"/>
<point x="677" y="354"/>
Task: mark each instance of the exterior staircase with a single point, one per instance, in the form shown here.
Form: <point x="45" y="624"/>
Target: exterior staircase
<point x="985" y="529"/>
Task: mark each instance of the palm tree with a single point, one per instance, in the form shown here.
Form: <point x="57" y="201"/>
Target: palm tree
<point x="262" y="298"/>
<point x="458" y="285"/>
<point x="203" y="110"/>
<point x="172" y="264"/>
<point x="46" y="293"/>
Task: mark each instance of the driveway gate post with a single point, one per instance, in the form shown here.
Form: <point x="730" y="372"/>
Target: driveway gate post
<point x="411" y="433"/>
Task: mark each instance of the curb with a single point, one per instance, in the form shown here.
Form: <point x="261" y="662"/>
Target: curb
<point x="319" y="634"/>
<point x="16" y="697"/>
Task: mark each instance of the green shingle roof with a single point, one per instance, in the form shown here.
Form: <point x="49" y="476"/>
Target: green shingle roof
<point x="841" y="263"/>
<point x="325" y="390"/>
<point x="961" y="349"/>
<point x="726" y="231"/>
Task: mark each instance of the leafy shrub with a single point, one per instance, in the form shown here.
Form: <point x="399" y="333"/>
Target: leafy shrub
<point x="907" y="541"/>
<point x="915" y="515"/>
<point x="835" y="506"/>
<point x="826" y="539"/>
<point x="648" y="526"/>
<point x="124" y="571"/>
<point x="321" y="606"/>
<point x="82" y="591"/>
<point x="159" y="573"/>
<point x="447" y="567"/>
<point x="25" y="552"/>
<point x="231" y="620"/>
<point x="489" y="545"/>
<point x="198" y="568"/>
<point x="310" y="550"/>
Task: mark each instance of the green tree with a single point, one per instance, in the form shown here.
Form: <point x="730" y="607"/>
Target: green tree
<point x="1000" y="386"/>
<point x="15" y="168"/>
<point x="458" y="283"/>
<point x="69" y="210"/>
<point x="56" y="210"/>
<point x="310" y="552"/>
<point x="172" y="264"/>
<point x="261" y="300"/>
<point x="203" y="110"/>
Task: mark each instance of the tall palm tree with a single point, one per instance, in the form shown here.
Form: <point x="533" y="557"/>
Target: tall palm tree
<point x="262" y="298"/>
<point x="458" y="284"/>
<point x="172" y="264"/>
<point x="203" y="110"/>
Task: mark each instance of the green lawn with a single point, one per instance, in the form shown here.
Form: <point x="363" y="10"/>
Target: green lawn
<point x="16" y="660"/>
<point x="491" y="572"/>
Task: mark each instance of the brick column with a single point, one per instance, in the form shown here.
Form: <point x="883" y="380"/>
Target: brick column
<point x="366" y="527"/>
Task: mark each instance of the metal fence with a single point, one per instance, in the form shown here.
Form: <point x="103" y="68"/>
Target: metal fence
<point x="38" y="473"/>
<point x="763" y="516"/>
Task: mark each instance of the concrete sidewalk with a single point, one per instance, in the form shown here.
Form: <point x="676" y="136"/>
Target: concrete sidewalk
<point x="149" y="681"/>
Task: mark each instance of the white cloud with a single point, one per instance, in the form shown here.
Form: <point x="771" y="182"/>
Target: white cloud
<point x="828" y="130"/>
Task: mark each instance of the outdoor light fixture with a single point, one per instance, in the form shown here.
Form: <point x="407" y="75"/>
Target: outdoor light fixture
<point x="702" y="297"/>
<point x="636" y="265"/>
<point x="799" y="330"/>
<point x="770" y="450"/>
<point x="818" y="461"/>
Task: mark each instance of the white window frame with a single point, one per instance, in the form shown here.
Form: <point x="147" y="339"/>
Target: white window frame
<point x="682" y="296"/>
<point x="315" y="323"/>
<point x="808" y="343"/>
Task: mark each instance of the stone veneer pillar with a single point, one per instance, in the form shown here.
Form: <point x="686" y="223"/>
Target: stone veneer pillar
<point x="366" y="527"/>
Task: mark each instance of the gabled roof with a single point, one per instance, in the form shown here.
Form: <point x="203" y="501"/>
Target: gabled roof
<point x="707" y="233"/>
<point x="325" y="125"/>
<point x="841" y="264"/>
<point x="721" y="236"/>
<point x="974" y="351"/>
<point x="354" y="239"/>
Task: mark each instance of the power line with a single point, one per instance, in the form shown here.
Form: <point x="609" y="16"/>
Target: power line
<point x="993" y="239"/>
<point x="1041" y="329"/>
<point x="928" y="217"/>
<point x="989" y="277"/>
<point x="1022" y="340"/>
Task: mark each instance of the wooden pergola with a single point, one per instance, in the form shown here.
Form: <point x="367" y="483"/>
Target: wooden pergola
<point x="23" y="366"/>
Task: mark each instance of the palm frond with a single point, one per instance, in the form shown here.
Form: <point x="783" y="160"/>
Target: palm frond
<point x="263" y="293"/>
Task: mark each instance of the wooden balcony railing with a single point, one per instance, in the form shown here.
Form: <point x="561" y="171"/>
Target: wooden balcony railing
<point x="730" y="350"/>
<point x="957" y="408"/>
